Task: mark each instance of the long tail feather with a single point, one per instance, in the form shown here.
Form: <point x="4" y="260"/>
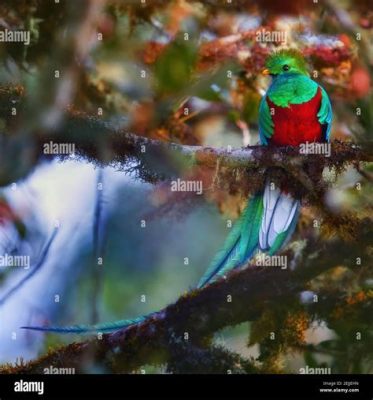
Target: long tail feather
<point x="240" y="244"/>
<point x="266" y="224"/>
<point x="106" y="327"/>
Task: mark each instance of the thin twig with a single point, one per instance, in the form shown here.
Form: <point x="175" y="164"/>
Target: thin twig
<point x="34" y="269"/>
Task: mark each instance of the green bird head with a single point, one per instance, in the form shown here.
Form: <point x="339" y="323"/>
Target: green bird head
<point x="285" y="61"/>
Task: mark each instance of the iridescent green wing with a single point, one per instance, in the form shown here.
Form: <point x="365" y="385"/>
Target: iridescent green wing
<point x="266" y="124"/>
<point x="325" y="114"/>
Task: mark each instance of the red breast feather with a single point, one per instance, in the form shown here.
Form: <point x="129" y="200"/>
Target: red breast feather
<point x="297" y="123"/>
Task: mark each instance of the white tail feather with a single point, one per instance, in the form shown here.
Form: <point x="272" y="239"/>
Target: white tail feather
<point x="279" y="211"/>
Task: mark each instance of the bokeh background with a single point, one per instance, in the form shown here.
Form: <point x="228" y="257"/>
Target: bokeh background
<point x="180" y="71"/>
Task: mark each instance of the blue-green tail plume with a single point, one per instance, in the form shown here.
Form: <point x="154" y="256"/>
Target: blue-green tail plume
<point x="81" y="329"/>
<point x="266" y="225"/>
<point x="240" y="244"/>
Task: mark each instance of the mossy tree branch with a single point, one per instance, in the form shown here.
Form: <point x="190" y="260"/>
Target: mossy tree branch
<point x="108" y="143"/>
<point x="203" y="312"/>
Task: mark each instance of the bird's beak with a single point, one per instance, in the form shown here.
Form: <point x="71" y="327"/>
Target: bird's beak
<point x="265" y="71"/>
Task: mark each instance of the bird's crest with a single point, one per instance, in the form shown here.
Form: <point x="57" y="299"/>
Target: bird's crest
<point x="290" y="57"/>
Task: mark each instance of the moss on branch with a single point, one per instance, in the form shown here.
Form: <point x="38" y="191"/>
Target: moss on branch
<point x="203" y="312"/>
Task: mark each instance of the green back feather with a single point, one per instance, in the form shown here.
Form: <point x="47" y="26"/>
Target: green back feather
<point x="266" y="124"/>
<point x="325" y="114"/>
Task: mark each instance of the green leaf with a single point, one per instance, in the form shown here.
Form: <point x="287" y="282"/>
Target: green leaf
<point x="173" y="70"/>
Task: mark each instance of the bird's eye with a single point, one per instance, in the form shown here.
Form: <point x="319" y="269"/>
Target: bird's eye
<point x="285" y="67"/>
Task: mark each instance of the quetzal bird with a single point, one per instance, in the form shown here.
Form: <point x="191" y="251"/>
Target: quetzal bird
<point x="294" y="110"/>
